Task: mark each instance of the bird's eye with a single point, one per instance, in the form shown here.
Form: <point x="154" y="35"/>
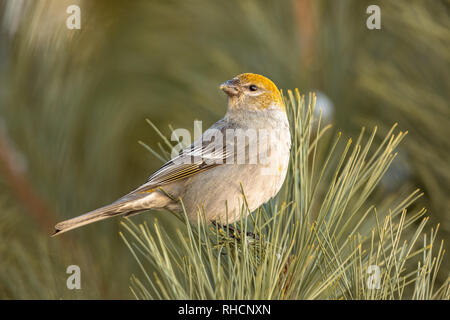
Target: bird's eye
<point x="252" y="87"/>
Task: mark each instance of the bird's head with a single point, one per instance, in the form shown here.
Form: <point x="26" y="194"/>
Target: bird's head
<point x="249" y="91"/>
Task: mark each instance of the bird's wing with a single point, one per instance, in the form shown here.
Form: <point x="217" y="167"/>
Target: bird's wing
<point x="205" y="153"/>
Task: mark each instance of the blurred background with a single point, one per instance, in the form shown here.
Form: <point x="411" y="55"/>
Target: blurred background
<point x="73" y="105"/>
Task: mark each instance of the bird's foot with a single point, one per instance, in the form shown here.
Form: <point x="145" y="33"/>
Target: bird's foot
<point x="233" y="232"/>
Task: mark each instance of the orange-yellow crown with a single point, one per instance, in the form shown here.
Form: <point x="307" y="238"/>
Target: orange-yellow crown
<point x="258" y="80"/>
<point x="273" y="93"/>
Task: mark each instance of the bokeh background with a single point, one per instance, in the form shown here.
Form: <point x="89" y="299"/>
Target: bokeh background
<point x="73" y="105"/>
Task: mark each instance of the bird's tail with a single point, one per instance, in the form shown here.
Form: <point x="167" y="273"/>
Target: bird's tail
<point x="127" y="205"/>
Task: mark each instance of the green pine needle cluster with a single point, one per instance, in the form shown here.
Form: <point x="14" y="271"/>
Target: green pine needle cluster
<point x="320" y="238"/>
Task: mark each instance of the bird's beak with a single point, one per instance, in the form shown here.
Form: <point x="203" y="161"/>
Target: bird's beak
<point x="230" y="87"/>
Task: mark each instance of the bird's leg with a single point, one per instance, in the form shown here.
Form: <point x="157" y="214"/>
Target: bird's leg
<point x="234" y="232"/>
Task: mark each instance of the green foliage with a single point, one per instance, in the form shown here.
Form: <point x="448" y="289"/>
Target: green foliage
<point x="316" y="240"/>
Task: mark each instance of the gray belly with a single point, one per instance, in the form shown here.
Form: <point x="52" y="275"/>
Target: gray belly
<point x="219" y="191"/>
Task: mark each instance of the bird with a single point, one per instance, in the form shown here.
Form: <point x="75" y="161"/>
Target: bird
<point x="241" y="161"/>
